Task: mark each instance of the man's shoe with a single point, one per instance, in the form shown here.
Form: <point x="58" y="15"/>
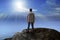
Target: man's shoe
<point x="27" y="31"/>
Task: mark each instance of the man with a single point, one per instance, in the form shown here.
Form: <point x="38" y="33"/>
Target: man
<point x="31" y="19"/>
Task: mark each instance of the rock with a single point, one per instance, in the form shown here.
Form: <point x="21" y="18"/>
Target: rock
<point x="37" y="34"/>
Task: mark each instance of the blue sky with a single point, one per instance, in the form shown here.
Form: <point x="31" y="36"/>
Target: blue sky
<point x="13" y="15"/>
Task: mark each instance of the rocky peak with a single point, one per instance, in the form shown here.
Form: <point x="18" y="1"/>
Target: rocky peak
<point x="37" y="34"/>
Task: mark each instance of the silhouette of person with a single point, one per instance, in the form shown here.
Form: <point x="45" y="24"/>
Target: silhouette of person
<point x="31" y="19"/>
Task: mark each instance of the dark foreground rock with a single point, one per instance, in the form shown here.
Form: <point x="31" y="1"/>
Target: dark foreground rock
<point x="37" y="34"/>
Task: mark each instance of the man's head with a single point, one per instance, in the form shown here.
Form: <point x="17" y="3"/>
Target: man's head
<point x="30" y="9"/>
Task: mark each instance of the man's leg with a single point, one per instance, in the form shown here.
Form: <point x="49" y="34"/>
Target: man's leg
<point x="28" y="25"/>
<point x="32" y="24"/>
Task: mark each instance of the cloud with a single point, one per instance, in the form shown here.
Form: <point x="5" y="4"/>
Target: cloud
<point x="54" y="18"/>
<point x="24" y="11"/>
<point x="55" y="8"/>
<point x="2" y="15"/>
<point x="35" y="10"/>
<point x="58" y="8"/>
<point x="40" y="17"/>
<point x="27" y="9"/>
<point x="51" y="2"/>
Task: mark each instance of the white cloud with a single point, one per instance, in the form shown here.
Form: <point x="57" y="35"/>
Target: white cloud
<point x="2" y="16"/>
<point x="41" y="16"/>
<point x="55" y="8"/>
<point x="35" y="10"/>
<point x="27" y="10"/>
<point x="58" y="8"/>
<point x="24" y="11"/>
<point x="51" y="2"/>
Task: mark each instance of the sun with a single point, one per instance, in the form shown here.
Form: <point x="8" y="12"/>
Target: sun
<point x="19" y="6"/>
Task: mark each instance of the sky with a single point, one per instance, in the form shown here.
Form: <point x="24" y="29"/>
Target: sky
<point x="13" y="15"/>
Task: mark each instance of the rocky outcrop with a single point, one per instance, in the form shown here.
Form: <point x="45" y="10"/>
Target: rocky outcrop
<point x="37" y="34"/>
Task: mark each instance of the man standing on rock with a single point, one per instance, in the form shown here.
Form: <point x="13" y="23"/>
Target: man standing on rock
<point x="31" y="19"/>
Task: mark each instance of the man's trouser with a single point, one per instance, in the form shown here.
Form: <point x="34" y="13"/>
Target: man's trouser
<point x="32" y="24"/>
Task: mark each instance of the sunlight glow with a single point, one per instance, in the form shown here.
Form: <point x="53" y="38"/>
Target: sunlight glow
<point x="19" y="6"/>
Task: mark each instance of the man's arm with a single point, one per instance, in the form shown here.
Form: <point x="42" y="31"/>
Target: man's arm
<point x="34" y="17"/>
<point x="27" y="18"/>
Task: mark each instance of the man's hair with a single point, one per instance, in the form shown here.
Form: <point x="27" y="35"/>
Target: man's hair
<point x="30" y="9"/>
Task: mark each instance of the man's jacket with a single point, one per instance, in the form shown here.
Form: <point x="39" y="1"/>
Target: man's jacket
<point x="31" y="17"/>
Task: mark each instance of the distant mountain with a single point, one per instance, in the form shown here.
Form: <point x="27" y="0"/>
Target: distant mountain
<point x="37" y="34"/>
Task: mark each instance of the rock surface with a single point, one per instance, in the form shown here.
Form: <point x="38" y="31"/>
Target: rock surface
<point x="37" y="34"/>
